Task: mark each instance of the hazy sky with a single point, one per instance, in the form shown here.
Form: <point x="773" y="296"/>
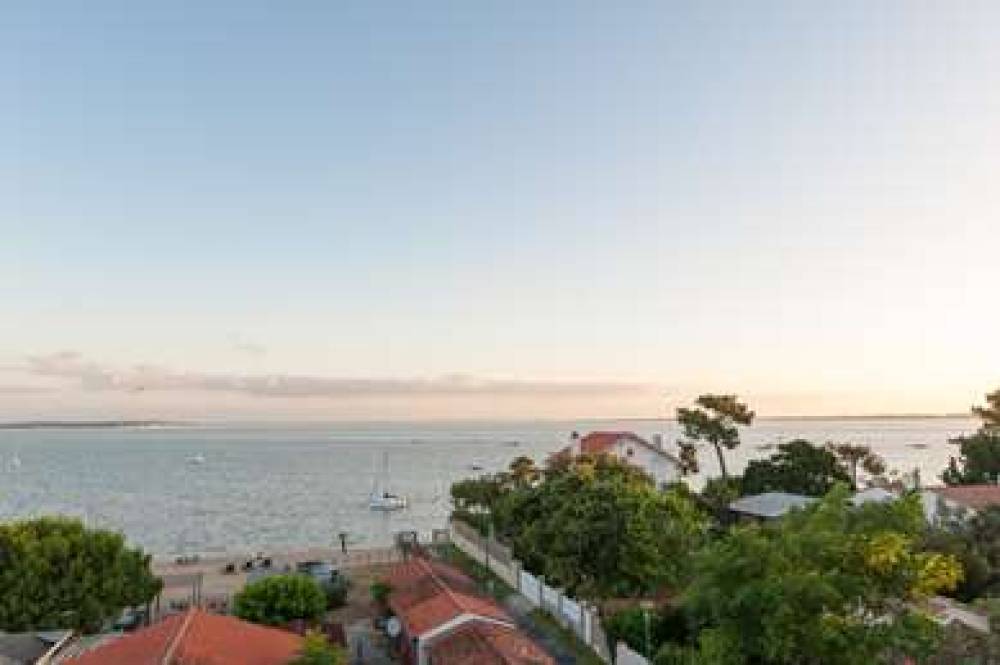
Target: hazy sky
<point x="391" y="209"/>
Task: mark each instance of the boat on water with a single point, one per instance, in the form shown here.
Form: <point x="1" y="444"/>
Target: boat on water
<point x="196" y="459"/>
<point x="381" y="498"/>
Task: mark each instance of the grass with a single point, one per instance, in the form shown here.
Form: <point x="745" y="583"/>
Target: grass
<point x="542" y="620"/>
<point x="566" y="638"/>
<point x="487" y="580"/>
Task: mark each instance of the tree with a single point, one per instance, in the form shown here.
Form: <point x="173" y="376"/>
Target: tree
<point x="316" y="650"/>
<point x="599" y="527"/>
<point x="976" y="543"/>
<point x="276" y="600"/>
<point x="830" y="584"/>
<point x="56" y="573"/>
<point x="798" y="467"/>
<point x="854" y="455"/>
<point x="979" y="459"/>
<point x="989" y="414"/>
<point x="715" y="420"/>
<point x="522" y="471"/>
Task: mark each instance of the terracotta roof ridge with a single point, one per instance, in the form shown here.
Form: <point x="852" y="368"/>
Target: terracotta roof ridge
<point x="173" y="643"/>
<point x="441" y="585"/>
<point x="489" y="644"/>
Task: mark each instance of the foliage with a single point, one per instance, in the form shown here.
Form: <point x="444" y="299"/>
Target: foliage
<point x="978" y="461"/>
<point x="336" y="590"/>
<point x="989" y="414"/>
<point x="56" y="573"/>
<point x="798" y="467"/>
<point x="720" y="492"/>
<point x="829" y="584"/>
<point x="714" y="421"/>
<point x="316" y="650"/>
<point x="634" y="625"/>
<point x="278" y="599"/>
<point x="600" y="528"/>
<point x="853" y="456"/>
<point x="976" y="543"/>
<point x="380" y="591"/>
<point x="979" y="458"/>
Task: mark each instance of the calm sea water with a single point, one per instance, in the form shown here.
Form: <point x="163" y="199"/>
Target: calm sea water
<point x="271" y="487"/>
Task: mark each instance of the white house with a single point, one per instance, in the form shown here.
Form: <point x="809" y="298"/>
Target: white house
<point x="629" y="447"/>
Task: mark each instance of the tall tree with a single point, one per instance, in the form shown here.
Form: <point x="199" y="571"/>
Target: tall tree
<point x="56" y="573"/>
<point x="858" y="455"/>
<point x="979" y="458"/>
<point x="715" y="420"/>
<point x="989" y="414"/>
<point x="798" y="467"/>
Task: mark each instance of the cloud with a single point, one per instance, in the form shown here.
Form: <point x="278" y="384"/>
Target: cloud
<point x="137" y="378"/>
<point x="14" y="389"/>
<point x="247" y="347"/>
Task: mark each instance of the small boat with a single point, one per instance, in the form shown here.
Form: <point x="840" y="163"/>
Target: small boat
<point x="387" y="501"/>
<point x="918" y="446"/>
<point x="475" y="467"/>
<point x="196" y="459"/>
<point x="381" y="498"/>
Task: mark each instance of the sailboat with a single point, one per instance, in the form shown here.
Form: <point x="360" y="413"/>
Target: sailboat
<point x="381" y="498"/>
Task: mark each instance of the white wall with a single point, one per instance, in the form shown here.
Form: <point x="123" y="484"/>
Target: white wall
<point x="660" y="467"/>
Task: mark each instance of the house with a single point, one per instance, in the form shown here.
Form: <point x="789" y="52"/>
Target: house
<point x="629" y="447"/>
<point x="769" y="505"/>
<point x="958" y="502"/>
<point x="443" y="620"/>
<point x="31" y="648"/>
<point x="196" y="638"/>
<point x="872" y="495"/>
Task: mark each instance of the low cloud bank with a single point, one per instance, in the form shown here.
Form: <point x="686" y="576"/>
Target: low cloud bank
<point x="92" y="375"/>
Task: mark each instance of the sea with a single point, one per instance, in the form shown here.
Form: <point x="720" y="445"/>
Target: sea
<point x="240" y="488"/>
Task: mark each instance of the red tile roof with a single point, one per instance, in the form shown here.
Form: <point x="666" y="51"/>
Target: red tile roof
<point x="976" y="497"/>
<point x="482" y="643"/>
<point x="426" y="595"/>
<point x="197" y="638"/>
<point x="597" y="443"/>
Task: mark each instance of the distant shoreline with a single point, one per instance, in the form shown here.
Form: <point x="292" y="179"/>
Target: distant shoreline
<point x="86" y="424"/>
<point x="139" y="424"/>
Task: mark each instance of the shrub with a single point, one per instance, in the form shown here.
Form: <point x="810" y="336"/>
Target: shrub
<point x="317" y="651"/>
<point x="380" y="592"/>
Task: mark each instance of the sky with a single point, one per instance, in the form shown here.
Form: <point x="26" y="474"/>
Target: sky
<point x="357" y="210"/>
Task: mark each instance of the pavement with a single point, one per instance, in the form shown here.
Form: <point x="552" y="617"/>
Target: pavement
<point x="520" y="609"/>
<point x="365" y="645"/>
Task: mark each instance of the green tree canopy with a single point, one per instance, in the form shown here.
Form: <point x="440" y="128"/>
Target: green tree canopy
<point x="976" y="543"/>
<point x="599" y="527"/>
<point x="278" y="599"/>
<point x="714" y="420"/>
<point x="979" y="457"/>
<point x="798" y="467"/>
<point x="829" y="585"/>
<point x="853" y="456"/>
<point x="56" y="573"/>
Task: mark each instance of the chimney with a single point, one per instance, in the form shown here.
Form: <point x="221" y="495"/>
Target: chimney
<point x="574" y="444"/>
<point x="658" y="441"/>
